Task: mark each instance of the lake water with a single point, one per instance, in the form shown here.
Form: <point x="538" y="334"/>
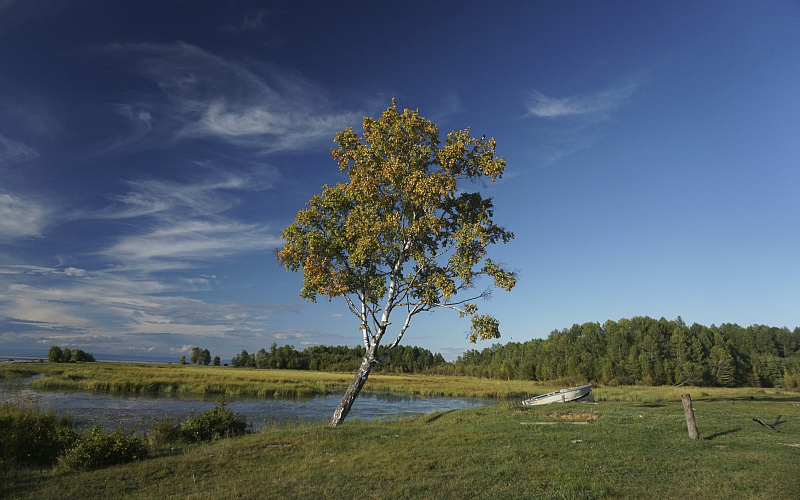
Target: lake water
<point x="140" y="411"/>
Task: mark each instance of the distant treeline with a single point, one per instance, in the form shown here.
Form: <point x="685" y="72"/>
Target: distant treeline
<point x="636" y="351"/>
<point x="646" y="351"/>
<point x="402" y="359"/>
<point x="200" y="357"/>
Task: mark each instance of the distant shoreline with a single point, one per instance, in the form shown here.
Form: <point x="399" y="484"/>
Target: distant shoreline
<point x="16" y="360"/>
<point x="106" y="358"/>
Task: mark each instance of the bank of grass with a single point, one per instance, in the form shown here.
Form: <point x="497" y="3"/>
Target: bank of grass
<point x="216" y="380"/>
<point x="229" y="381"/>
<point x="636" y="446"/>
<point x="21" y="370"/>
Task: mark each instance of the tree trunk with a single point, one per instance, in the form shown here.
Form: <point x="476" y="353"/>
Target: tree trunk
<point x="352" y="392"/>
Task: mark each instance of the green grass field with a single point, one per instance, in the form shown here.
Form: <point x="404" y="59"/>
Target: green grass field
<point x="632" y="444"/>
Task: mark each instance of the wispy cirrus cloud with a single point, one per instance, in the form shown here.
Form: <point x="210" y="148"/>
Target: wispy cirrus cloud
<point x="21" y="217"/>
<point x="204" y="95"/>
<point x="574" y="122"/>
<point x="208" y="195"/>
<point x="179" y="244"/>
<point x="168" y="236"/>
<point x="447" y="107"/>
<point x="139" y="125"/>
<point x="542" y="106"/>
<point x="184" y="223"/>
<point x="12" y="150"/>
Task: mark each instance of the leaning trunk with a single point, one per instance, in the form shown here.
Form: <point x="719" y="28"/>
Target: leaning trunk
<point x="352" y="392"/>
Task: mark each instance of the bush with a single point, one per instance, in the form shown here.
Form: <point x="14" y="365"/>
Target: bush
<point x="165" y="431"/>
<point x="31" y="437"/>
<point x="99" y="448"/>
<point x="216" y="423"/>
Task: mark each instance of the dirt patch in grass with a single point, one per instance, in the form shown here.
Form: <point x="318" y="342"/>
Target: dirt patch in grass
<point x="563" y="415"/>
<point x="573" y="416"/>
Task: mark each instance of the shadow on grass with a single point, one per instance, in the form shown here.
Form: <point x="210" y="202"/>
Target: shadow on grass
<point x="166" y="450"/>
<point x="436" y="416"/>
<point x="15" y="483"/>
<point x="722" y="433"/>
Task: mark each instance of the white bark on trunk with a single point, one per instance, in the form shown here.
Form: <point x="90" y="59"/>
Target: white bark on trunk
<point x="352" y="392"/>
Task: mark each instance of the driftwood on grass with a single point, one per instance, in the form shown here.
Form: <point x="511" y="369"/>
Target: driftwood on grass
<point x="582" y="422"/>
<point x="774" y="425"/>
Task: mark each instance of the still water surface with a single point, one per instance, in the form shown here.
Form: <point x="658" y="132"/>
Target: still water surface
<point x="140" y="411"/>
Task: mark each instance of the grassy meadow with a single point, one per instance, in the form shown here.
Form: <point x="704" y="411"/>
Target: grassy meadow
<point x="632" y="443"/>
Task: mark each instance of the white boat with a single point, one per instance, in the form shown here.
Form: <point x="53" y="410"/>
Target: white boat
<point x="562" y="396"/>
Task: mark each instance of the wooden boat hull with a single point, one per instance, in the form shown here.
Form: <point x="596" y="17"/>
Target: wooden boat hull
<point x="562" y="396"/>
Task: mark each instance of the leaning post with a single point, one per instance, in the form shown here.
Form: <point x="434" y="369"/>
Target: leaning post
<point x="688" y="412"/>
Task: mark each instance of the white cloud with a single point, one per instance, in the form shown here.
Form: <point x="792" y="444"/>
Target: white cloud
<point x="12" y="150"/>
<point x="20" y="217"/>
<point x="575" y="121"/>
<point x="72" y="271"/>
<point x="208" y="96"/>
<point x="169" y="199"/>
<point x="141" y="124"/>
<point x="191" y="240"/>
<point x="543" y="106"/>
<point x="183" y="223"/>
<point x="29" y="307"/>
<point x="82" y="305"/>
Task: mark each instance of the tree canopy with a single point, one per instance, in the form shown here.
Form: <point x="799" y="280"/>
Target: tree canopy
<point x="402" y="234"/>
<point x="57" y="355"/>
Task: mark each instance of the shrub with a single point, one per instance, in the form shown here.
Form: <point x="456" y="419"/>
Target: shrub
<point x="216" y="423"/>
<point x="165" y="431"/>
<point x="31" y="437"/>
<point x="99" y="448"/>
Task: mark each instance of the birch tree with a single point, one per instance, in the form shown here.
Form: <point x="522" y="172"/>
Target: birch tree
<point x="402" y="237"/>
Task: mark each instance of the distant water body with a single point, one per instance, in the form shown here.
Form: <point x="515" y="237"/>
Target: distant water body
<point x="6" y="357"/>
<point x="140" y="411"/>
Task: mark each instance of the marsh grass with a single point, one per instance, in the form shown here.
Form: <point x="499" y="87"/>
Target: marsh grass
<point x="634" y="448"/>
<point x="22" y="370"/>
<point x="192" y="379"/>
<point x="216" y="380"/>
<point x="155" y="378"/>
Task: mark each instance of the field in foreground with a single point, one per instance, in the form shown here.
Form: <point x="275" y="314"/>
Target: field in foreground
<point x="632" y="444"/>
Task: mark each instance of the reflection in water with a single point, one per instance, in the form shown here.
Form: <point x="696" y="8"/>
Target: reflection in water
<point x="140" y="411"/>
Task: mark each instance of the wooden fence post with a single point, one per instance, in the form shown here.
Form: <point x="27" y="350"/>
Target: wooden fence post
<point x="688" y="412"/>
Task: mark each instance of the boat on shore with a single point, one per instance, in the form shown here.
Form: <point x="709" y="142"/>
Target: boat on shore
<point x="561" y="396"/>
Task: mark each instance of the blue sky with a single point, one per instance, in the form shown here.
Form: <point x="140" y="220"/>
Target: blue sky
<point x="151" y="153"/>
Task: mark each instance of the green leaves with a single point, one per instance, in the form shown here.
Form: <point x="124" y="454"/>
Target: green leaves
<point x="400" y="233"/>
<point x="484" y="327"/>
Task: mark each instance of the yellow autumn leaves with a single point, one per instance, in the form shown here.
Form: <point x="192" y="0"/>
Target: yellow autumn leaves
<point x="400" y="226"/>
